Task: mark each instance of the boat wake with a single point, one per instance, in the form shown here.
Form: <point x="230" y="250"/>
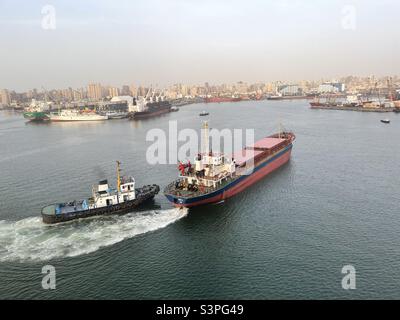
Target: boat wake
<point x="31" y="240"/>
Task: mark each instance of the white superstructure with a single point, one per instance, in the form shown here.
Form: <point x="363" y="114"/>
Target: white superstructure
<point x="76" y="115"/>
<point x="38" y="106"/>
<point x="104" y="196"/>
<point x="210" y="168"/>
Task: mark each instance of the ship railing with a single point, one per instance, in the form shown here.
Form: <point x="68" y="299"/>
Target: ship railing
<point x="201" y="188"/>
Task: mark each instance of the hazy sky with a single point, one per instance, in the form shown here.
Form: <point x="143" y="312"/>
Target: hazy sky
<point x="193" y="41"/>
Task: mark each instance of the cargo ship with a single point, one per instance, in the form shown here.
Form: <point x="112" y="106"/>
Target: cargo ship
<point x="152" y="110"/>
<point x="222" y="99"/>
<point x="37" y="111"/>
<point x="147" y="107"/>
<point x="215" y="177"/>
<point x="104" y="201"/>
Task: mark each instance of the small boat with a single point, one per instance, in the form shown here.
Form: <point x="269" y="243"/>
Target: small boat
<point x="104" y="201"/>
<point x="112" y="115"/>
<point x="385" y="120"/>
<point x="275" y="97"/>
<point x="203" y="113"/>
<point x="174" y="109"/>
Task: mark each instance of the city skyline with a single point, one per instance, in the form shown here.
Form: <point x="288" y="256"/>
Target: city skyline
<point x="119" y="88"/>
<point x="194" y="42"/>
<point x="98" y="91"/>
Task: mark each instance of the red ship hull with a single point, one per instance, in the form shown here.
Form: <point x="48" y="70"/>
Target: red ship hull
<point x="316" y="104"/>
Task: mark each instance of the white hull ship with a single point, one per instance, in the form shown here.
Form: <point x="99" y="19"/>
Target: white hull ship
<point x="75" y="115"/>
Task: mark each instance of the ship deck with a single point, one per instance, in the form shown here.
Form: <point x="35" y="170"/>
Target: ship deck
<point x="272" y="146"/>
<point x="172" y="190"/>
<point x="61" y="209"/>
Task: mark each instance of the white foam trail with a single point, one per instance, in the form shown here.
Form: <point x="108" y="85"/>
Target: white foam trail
<point x="31" y="240"/>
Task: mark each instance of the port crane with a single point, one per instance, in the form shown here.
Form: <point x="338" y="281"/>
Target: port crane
<point x="390" y="89"/>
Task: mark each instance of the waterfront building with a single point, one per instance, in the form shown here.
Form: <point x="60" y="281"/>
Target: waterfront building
<point x="95" y="91"/>
<point x="113" y="92"/>
<point x="67" y="94"/>
<point x="290" y="90"/>
<point x="331" y="87"/>
<point x="133" y="91"/>
<point x="5" y="97"/>
<point x="125" y="90"/>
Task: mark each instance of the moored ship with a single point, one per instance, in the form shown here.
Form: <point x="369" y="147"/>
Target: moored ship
<point x="36" y="116"/>
<point x="104" y="201"/>
<point x="152" y="110"/>
<point x="147" y="107"/>
<point x="113" y="115"/>
<point x="76" y="115"/>
<point x="275" y="97"/>
<point x="222" y="99"/>
<point x="215" y="177"/>
<point x="37" y="111"/>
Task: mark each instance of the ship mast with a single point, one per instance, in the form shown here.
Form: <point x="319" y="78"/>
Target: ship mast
<point x="379" y="96"/>
<point x="118" y="176"/>
<point x="205" y="143"/>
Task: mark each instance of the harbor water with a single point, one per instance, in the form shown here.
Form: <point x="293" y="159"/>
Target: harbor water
<point x="335" y="203"/>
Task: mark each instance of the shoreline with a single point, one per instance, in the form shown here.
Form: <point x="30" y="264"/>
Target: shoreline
<point x="358" y="109"/>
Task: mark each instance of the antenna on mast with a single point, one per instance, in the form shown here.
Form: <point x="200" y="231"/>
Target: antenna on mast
<point x="205" y="143"/>
<point x="118" y="176"/>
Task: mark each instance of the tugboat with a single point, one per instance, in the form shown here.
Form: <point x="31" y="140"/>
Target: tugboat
<point x="104" y="201"/>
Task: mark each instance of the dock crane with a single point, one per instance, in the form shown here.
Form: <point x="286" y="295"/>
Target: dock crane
<point x="390" y="89"/>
